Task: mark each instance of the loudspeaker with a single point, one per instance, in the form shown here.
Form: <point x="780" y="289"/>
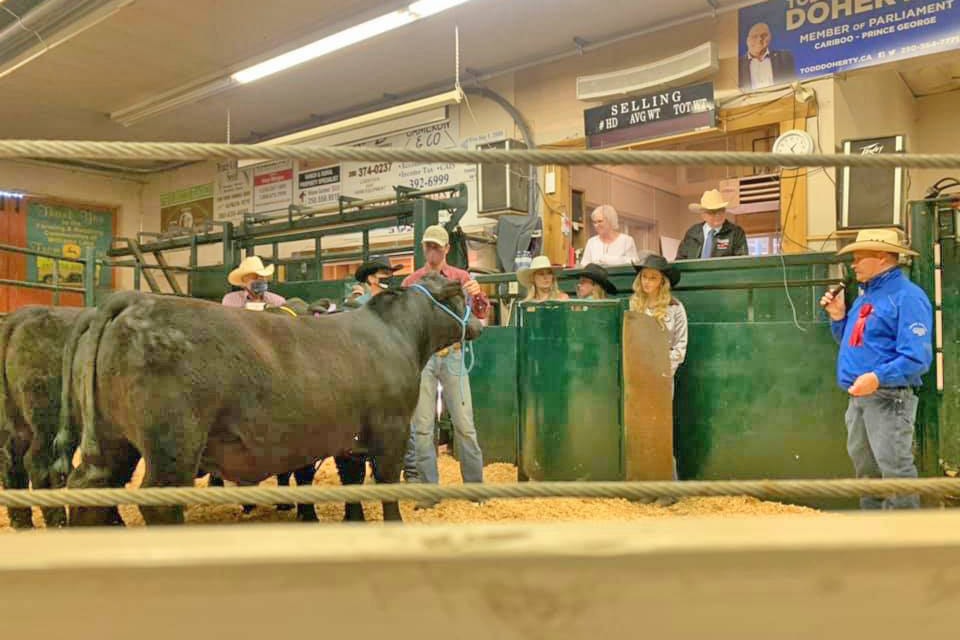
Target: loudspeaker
<point x="503" y="188"/>
<point x="871" y="197"/>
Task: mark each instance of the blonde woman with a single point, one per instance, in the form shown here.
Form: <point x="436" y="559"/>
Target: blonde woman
<point x="594" y="283"/>
<point x="540" y="281"/>
<point x="651" y="295"/>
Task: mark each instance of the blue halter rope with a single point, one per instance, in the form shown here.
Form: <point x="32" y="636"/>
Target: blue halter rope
<point x="467" y="347"/>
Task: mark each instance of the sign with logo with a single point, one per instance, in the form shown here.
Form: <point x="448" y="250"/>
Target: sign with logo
<point x="785" y="40"/>
<point x="67" y="231"/>
<point x="317" y="185"/>
<point x="233" y="192"/>
<point x="272" y="186"/>
<point x="186" y="208"/>
<point x="653" y="115"/>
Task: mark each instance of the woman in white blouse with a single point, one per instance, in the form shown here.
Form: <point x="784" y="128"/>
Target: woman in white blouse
<point x="609" y="247"/>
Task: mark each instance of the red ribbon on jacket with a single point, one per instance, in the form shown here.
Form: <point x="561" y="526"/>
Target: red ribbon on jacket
<point x="856" y="338"/>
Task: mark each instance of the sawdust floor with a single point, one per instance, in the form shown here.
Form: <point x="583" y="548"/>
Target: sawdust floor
<point x="511" y="510"/>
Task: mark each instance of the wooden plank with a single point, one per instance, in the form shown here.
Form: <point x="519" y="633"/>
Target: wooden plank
<point x="556" y="207"/>
<point x="878" y="575"/>
<point x="647" y="399"/>
<point x="793" y="195"/>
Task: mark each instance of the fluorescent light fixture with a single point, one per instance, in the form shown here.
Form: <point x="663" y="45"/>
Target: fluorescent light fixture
<point x="11" y="194"/>
<point x="212" y="85"/>
<point x="342" y="39"/>
<point x="402" y="117"/>
<point x="170" y="100"/>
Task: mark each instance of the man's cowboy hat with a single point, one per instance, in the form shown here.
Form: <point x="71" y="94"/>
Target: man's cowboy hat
<point x="878" y="240"/>
<point x="250" y="264"/>
<point x="709" y="201"/>
<point x="525" y="276"/>
<point x="374" y="264"/>
<point x="599" y="275"/>
<point x="658" y="262"/>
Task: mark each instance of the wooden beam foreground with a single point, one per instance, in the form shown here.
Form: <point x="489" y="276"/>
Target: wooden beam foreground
<point x="836" y="576"/>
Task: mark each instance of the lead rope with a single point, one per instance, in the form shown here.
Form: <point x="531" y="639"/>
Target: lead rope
<point x="467" y="347"/>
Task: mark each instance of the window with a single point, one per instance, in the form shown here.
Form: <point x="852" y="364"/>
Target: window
<point x="763" y="245"/>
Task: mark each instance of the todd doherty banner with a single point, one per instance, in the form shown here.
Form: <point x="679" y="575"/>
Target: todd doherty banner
<point x="784" y="40"/>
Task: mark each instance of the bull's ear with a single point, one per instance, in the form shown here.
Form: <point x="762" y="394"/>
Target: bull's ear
<point x="450" y="289"/>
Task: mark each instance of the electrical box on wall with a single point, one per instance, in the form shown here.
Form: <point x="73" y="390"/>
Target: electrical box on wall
<point x="503" y="188"/>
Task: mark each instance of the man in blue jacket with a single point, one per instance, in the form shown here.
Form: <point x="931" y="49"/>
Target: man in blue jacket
<point x="885" y="348"/>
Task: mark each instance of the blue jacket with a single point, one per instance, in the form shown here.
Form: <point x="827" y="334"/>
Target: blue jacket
<point x="897" y="343"/>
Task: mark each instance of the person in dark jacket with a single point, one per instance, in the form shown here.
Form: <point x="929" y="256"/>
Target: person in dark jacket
<point x="885" y="349"/>
<point x="762" y="66"/>
<point x="716" y="237"/>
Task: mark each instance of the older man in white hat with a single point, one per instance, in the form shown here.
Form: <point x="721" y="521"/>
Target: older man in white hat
<point x="716" y="237"/>
<point x="251" y="276"/>
<point x="885" y="348"/>
<point x="444" y="367"/>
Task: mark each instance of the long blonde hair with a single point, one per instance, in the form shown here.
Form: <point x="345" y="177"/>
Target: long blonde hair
<point x="598" y="293"/>
<point x="554" y="288"/>
<point x="657" y="303"/>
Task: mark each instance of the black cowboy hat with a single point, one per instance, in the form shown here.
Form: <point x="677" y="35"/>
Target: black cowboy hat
<point x="599" y="275"/>
<point x="374" y="264"/>
<point x="658" y="262"/>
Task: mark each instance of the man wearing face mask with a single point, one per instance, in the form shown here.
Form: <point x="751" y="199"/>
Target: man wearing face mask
<point x="251" y="276"/>
<point x="372" y="277"/>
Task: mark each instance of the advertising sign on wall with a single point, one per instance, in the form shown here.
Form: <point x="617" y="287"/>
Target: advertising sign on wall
<point x="786" y="40"/>
<point x="186" y="208"/>
<point x="67" y="231"/>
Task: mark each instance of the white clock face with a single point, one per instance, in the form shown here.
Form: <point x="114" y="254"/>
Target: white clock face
<point x="794" y="142"/>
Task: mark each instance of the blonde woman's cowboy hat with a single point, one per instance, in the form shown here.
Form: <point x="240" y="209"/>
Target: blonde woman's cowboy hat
<point x="878" y="240"/>
<point x="525" y="276"/>
<point x="250" y="264"/>
<point x="709" y="201"/>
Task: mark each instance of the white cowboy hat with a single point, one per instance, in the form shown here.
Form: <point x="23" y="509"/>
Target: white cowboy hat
<point x="709" y="201"/>
<point x="250" y="264"/>
<point x="525" y="276"/>
<point x="878" y="240"/>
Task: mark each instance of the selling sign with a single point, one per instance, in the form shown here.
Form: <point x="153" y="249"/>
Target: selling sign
<point x="652" y="115"/>
<point x="786" y="40"/>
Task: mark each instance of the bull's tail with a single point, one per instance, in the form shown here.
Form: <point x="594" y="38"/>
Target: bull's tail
<point x="95" y="323"/>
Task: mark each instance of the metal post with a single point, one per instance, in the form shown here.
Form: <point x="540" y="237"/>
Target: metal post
<point x="318" y="248"/>
<point x="366" y="246"/>
<point x="56" y="282"/>
<point x="89" y="278"/>
<point x="136" y="276"/>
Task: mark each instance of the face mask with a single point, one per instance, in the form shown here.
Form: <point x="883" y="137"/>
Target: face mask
<point x="258" y="287"/>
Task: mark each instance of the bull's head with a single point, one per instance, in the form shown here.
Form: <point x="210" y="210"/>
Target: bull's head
<point x="451" y="302"/>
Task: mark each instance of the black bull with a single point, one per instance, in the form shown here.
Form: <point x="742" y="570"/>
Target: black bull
<point x="31" y="343"/>
<point x="190" y="384"/>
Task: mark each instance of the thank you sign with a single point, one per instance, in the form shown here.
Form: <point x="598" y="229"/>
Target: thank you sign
<point x="653" y="115"/>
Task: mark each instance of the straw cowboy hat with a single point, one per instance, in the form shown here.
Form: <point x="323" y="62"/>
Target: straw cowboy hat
<point x="878" y="240"/>
<point x="658" y="262"/>
<point x="709" y="201"/>
<point x="250" y="264"/>
<point x="599" y="275"/>
<point x="374" y="264"/>
<point x="525" y="276"/>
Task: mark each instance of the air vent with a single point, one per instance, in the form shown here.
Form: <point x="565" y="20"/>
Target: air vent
<point x="695" y="64"/>
<point x="752" y="194"/>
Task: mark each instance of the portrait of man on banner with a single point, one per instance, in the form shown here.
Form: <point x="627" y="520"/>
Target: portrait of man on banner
<point x="762" y="63"/>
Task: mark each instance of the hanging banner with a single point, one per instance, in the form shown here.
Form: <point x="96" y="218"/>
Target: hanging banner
<point x="317" y="185"/>
<point x="273" y="186"/>
<point x="786" y="40"/>
<point x="67" y="231"/>
<point x="186" y="208"/>
<point x="233" y="192"/>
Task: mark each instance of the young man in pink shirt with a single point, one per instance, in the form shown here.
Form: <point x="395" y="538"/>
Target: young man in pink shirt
<point x="420" y="463"/>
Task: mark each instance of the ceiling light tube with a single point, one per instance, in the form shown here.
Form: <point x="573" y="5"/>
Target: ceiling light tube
<point x="347" y="37"/>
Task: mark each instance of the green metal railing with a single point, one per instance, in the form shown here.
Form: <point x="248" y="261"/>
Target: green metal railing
<point x="89" y="263"/>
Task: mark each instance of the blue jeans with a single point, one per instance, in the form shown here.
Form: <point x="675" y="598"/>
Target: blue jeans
<point x="880" y="441"/>
<point x="420" y="461"/>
